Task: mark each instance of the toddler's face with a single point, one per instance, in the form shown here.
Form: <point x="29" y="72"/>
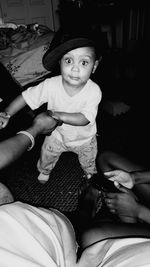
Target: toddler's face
<point x="77" y="65"/>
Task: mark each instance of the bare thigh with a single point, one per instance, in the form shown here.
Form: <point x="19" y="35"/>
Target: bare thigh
<point x="109" y="160"/>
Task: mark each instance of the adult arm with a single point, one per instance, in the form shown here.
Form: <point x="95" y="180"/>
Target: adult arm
<point x="144" y="214"/>
<point x="94" y="254"/>
<point x="140" y="177"/>
<point x="17" y="104"/>
<point x="15" y="146"/>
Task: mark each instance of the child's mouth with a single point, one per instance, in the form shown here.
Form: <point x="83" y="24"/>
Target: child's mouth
<point x="74" y="78"/>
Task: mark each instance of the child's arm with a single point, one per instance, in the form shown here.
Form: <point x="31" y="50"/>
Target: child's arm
<point x="87" y="113"/>
<point x="17" y="104"/>
<point x="76" y="119"/>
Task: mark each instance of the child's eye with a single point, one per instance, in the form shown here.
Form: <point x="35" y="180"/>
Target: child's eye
<point x="84" y="62"/>
<point x="68" y="60"/>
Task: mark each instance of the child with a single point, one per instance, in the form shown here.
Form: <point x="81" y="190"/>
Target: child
<point x="73" y="99"/>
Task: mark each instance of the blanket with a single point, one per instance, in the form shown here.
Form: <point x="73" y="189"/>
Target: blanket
<point x="21" y="52"/>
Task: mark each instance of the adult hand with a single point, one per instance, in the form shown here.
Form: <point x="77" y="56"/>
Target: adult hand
<point x="123" y="204"/>
<point x="122" y="177"/>
<point x="4" y="119"/>
<point x="44" y="123"/>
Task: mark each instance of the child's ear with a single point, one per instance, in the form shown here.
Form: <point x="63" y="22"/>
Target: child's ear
<point x="96" y="64"/>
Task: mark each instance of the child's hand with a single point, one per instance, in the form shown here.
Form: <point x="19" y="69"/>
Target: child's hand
<point x="4" y="119"/>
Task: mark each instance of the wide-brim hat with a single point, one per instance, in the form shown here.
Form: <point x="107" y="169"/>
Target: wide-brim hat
<point x="65" y="41"/>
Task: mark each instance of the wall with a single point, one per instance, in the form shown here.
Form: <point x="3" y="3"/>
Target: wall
<point x="126" y="29"/>
<point x="30" y="11"/>
<point x="1" y="19"/>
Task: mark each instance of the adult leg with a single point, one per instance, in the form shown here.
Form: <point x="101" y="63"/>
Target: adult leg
<point x="109" y="160"/>
<point x="5" y="195"/>
<point x="118" y="244"/>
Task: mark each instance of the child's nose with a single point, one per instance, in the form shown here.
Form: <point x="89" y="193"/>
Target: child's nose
<point x="75" y="67"/>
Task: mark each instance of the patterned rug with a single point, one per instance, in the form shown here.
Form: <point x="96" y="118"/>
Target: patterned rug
<point x="60" y="192"/>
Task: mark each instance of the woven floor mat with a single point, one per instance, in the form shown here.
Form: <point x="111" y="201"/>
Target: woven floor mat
<point x="61" y="190"/>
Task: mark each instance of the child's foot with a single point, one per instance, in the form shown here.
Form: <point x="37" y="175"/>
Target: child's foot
<point x="43" y="178"/>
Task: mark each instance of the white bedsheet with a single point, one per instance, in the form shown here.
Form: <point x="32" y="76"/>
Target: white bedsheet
<point x="33" y="237"/>
<point x="24" y="61"/>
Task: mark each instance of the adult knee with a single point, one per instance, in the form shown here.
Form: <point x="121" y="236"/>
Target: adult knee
<point x="104" y="160"/>
<point x="5" y="195"/>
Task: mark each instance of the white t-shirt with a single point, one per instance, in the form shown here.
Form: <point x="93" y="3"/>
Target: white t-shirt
<point x="51" y="91"/>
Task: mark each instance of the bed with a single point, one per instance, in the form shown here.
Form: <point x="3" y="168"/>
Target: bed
<point x="21" y="51"/>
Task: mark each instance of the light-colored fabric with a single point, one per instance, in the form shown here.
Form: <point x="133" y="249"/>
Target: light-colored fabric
<point x="85" y="102"/>
<point x="133" y="252"/>
<point x="52" y="149"/>
<point x="33" y="237"/>
<point x="36" y="237"/>
<point x="24" y="60"/>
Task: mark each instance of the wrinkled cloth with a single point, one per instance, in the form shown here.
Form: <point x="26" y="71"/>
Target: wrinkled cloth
<point x="133" y="252"/>
<point x="32" y="237"/>
<point x="24" y="61"/>
<point x="37" y="237"/>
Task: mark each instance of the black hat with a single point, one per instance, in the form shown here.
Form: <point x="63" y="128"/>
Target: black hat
<point x="65" y="41"/>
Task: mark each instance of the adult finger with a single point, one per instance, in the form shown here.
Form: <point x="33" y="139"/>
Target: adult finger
<point x="121" y="187"/>
<point x="111" y="173"/>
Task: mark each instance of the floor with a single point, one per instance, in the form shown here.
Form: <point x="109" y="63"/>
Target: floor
<point x="61" y="191"/>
